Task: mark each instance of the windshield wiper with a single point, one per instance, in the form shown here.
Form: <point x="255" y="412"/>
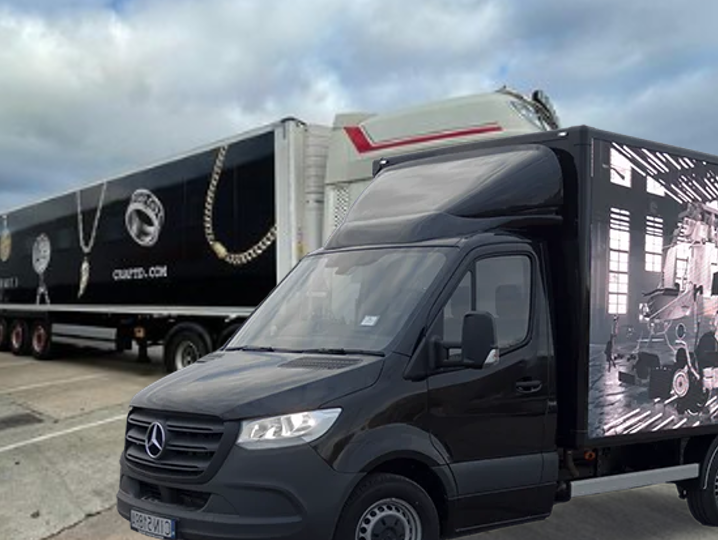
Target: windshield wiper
<point x="343" y="351"/>
<point x="252" y="348"/>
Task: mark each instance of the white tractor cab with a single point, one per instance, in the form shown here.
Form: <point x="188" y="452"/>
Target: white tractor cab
<point x="358" y="139"/>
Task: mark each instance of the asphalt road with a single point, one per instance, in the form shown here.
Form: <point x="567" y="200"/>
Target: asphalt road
<point x="61" y="434"/>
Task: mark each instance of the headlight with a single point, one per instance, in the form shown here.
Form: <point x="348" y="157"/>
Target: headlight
<point x="286" y="430"/>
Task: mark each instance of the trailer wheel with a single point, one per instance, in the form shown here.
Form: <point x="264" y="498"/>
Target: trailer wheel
<point x="4" y="335"/>
<point x="227" y="334"/>
<point x="41" y="340"/>
<point x="186" y="344"/>
<point x="388" y="506"/>
<point x="703" y="496"/>
<point x="19" y="338"/>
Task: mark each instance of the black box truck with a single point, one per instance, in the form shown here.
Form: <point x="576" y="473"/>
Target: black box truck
<point x="493" y="329"/>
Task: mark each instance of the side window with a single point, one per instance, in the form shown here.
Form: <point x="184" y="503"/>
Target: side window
<point x="503" y="288"/>
<point x="459" y="304"/>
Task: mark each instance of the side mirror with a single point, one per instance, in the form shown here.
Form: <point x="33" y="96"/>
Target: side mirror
<point x="478" y="343"/>
<point x="478" y="339"/>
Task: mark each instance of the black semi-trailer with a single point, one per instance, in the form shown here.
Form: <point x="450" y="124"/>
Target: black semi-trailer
<point x="493" y="329"/>
<point x="176" y="254"/>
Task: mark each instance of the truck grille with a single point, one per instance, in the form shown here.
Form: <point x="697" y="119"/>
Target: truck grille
<point x="191" y="441"/>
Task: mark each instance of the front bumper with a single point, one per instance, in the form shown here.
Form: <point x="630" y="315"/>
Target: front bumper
<point x="284" y="494"/>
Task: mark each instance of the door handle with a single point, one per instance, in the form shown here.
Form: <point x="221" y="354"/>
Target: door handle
<point x="528" y="386"/>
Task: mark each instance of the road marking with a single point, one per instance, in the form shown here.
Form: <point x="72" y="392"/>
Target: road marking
<point x="663" y="424"/>
<point x="43" y="438"/>
<point x="645" y="424"/>
<point x="623" y="427"/>
<point x="15" y="364"/>
<point x="51" y="383"/>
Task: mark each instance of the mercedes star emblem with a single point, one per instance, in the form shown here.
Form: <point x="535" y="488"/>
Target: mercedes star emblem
<point x="155" y="440"/>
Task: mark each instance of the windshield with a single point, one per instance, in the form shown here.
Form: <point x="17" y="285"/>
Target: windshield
<point x="353" y="300"/>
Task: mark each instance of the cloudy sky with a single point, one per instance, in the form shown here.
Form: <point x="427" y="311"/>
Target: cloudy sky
<point x="90" y="88"/>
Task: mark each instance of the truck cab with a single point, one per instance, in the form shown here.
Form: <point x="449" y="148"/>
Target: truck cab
<point x="418" y="377"/>
<point x="359" y="139"/>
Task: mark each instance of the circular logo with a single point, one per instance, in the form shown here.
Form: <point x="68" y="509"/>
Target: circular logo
<point x="41" y="252"/>
<point x="144" y="217"/>
<point x="155" y="440"/>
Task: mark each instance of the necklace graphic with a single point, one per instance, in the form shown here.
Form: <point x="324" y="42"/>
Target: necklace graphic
<point x="41" y="253"/>
<point x="5" y="241"/>
<point x="235" y="259"/>
<point x="87" y="247"/>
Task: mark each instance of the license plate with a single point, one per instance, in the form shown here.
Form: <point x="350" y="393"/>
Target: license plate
<point x="154" y="526"/>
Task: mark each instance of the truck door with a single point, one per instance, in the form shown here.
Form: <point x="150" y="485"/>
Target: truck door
<point x="491" y="420"/>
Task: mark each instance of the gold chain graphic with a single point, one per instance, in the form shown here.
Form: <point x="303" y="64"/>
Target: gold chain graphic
<point x="235" y="259"/>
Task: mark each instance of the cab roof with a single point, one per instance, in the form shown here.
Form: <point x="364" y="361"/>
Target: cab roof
<point x="445" y="196"/>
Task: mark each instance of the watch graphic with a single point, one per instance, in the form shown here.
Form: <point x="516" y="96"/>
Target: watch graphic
<point x="5" y="241"/>
<point x="41" y="253"/>
<point x="144" y="217"/>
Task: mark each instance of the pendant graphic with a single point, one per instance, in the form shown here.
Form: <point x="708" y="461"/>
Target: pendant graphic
<point x="84" y="277"/>
<point x="41" y="254"/>
<point x="86" y="246"/>
<point x="5" y="241"/>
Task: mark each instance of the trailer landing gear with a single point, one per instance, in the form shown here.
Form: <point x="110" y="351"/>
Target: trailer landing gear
<point x="142" y="356"/>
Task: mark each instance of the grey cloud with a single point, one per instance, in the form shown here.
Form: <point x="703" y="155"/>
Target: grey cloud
<point x="89" y="88"/>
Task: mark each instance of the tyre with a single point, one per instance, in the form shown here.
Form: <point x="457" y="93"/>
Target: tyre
<point x="19" y="338"/>
<point x="4" y="335"/>
<point x="227" y="334"/>
<point x="703" y="497"/>
<point x="692" y="397"/>
<point x="388" y="506"/>
<point x="41" y="340"/>
<point x="185" y="346"/>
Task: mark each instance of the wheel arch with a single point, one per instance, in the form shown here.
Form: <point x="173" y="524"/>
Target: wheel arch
<point x="406" y="451"/>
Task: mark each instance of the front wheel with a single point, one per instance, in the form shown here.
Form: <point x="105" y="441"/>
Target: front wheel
<point x="703" y="498"/>
<point x="388" y="506"/>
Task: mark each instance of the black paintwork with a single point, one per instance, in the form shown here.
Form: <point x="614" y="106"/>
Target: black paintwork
<point x="254" y="384"/>
<point x="256" y="495"/>
<point x="491" y="449"/>
<point x="244" y="211"/>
